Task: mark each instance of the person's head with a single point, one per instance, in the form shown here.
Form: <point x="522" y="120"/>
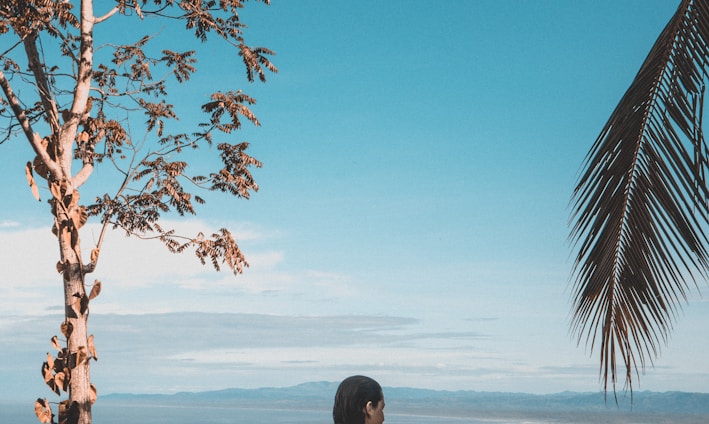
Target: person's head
<point x="359" y="400"/>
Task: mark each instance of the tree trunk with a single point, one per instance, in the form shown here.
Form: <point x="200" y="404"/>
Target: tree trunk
<point x="81" y="393"/>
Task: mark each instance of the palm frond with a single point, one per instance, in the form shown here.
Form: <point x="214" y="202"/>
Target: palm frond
<point x="639" y="209"/>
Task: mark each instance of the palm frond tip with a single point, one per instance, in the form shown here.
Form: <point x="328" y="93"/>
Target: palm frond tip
<point x="639" y="209"/>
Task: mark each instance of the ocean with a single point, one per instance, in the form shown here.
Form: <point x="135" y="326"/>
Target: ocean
<point x="147" y="410"/>
<point x="15" y="413"/>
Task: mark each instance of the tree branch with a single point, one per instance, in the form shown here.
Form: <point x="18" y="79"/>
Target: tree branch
<point x="82" y="89"/>
<point x="11" y="48"/>
<point x="35" y="64"/>
<point x="83" y="175"/>
<point x="32" y="137"/>
<point x="106" y="16"/>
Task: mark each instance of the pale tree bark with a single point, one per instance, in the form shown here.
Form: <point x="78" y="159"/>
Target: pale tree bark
<point x="81" y="392"/>
<point x="68" y="220"/>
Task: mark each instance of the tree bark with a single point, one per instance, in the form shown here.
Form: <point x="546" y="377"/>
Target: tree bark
<point x="76" y="301"/>
<point x="76" y="314"/>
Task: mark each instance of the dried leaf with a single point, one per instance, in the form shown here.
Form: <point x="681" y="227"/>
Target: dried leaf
<point x="61" y="265"/>
<point x="95" y="290"/>
<point x="30" y="180"/>
<point x="81" y="355"/>
<point x="84" y="304"/>
<point x="93" y="395"/>
<point x="43" y="411"/>
<point x="66" y="379"/>
<point x="73" y="199"/>
<point x="49" y="378"/>
<point x="92" y="347"/>
<point x="63" y="410"/>
<point x="47" y="373"/>
<point x="94" y="255"/>
<point x="56" y="190"/>
<point x="80" y="304"/>
<point x="67" y="328"/>
<point x="55" y="343"/>
<point x="40" y="168"/>
<point x="50" y="360"/>
<point x="60" y="381"/>
<point x="79" y="217"/>
<point x="76" y="304"/>
<point x="68" y="412"/>
<point x="60" y="362"/>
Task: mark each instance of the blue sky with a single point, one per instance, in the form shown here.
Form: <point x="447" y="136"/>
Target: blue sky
<point x="411" y="221"/>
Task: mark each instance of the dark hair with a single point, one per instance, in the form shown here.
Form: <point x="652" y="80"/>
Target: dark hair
<point x="352" y="396"/>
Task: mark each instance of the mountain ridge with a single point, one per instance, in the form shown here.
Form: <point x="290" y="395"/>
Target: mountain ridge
<point x="319" y="395"/>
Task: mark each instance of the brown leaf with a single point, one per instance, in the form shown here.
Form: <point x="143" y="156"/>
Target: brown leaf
<point x="50" y="360"/>
<point x="95" y="290"/>
<point x="47" y="373"/>
<point x="30" y="180"/>
<point x="63" y="410"/>
<point x="60" y="362"/>
<point x="66" y="379"/>
<point x="68" y="412"/>
<point x="76" y="304"/>
<point x="40" y="168"/>
<point x="94" y="255"/>
<point x="61" y="382"/>
<point x="84" y="304"/>
<point x="73" y="199"/>
<point x="81" y="355"/>
<point x="80" y="304"/>
<point x="93" y="395"/>
<point x="79" y="217"/>
<point x="56" y="190"/>
<point x="92" y="347"/>
<point x="53" y="385"/>
<point x="67" y="328"/>
<point x="55" y="343"/>
<point x="49" y="378"/>
<point x="61" y="266"/>
<point x="43" y="411"/>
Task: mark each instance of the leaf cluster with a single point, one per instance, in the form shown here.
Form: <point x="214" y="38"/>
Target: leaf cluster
<point x="27" y="17"/>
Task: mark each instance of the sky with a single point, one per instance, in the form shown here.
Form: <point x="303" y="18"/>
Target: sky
<point x="411" y="222"/>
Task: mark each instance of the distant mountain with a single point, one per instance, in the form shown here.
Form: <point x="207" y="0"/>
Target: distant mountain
<point x="655" y="407"/>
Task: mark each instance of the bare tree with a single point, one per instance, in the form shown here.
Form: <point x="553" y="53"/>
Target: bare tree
<point x="640" y="207"/>
<point x="75" y="106"/>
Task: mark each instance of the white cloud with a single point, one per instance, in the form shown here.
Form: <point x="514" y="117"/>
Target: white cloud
<point x="203" y="351"/>
<point x="9" y="224"/>
<point x="140" y="276"/>
<point x="128" y="265"/>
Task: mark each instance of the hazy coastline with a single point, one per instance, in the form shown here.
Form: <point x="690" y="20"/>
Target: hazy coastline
<point x="311" y="402"/>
